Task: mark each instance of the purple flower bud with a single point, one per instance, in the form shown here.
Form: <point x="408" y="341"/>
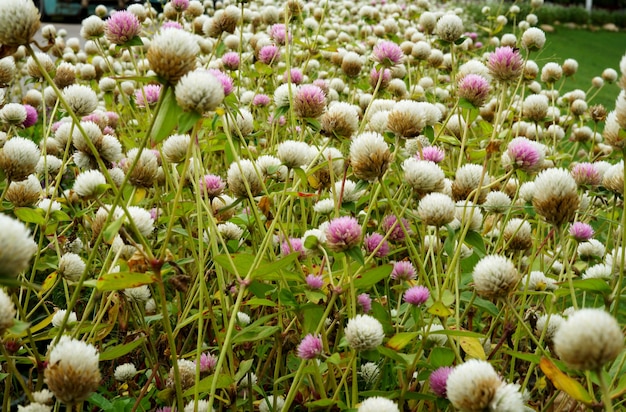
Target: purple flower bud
<point x="438" y="379"/>
<point x="371" y="242"/>
<point x="365" y="302"/>
<point x="581" y="231"/>
<point x="416" y="295"/>
<point x="314" y="281"/>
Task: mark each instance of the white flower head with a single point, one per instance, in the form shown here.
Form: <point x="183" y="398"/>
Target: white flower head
<point x="138" y="294"/>
<point x="16" y="246"/>
<point x="19" y="22"/>
<point x="472" y="385"/>
<point x="199" y="91"/>
<point x="378" y="404"/>
<point x="370" y="372"/>
<point x="230" y="231"/>
<point x="589" y="339"/>
<point x="243" y="318"/>
<point x="495" y="276"/>
<point x="364" y="332"/>
<point x="267" y="404"/>
<point x="7" y="312"/>
<point x="436" y="209"/>
<point x="293" y="153"/>
<point x="82" y="100"/>
<point x="59" y="315"/>
<point x="18" y="158"/>
<point x="125" y="372"/>
<point x="175" y="148"/>
<point x="88" y="183"/>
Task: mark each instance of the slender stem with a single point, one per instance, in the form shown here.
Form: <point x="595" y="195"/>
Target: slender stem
<point x="606" y="394"/>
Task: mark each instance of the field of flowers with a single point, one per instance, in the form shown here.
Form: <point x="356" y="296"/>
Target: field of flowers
<point x="324" y="205"/>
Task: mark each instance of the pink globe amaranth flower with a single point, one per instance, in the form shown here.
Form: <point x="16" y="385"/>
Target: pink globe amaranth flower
<point x="431" y="153"/>
<point x="474" y="88"/>
<point x="261" y="100"/>
<point x="154" y="213"/>
<point x="231" y="60"/>
<point x="278" y="33"/>
<point x="171" y="25"/>
<point x="478" y="45"/>
<point x="31" y="116"/>
<point x="180" y="5"/>
<point x="505" y="64"/>
<point x="387" y="53"/>
<point x="343" y="233"/>
<point x="113" y="118"/>
<point x="269" y="54"/>
<point x="310" y="347"/>
<point x="524" y="154"/>
<point x="314" y="281"/>
<point x="581" y="231"/>
<point x="322" y="84"/>
<point x="55" y="126"/>
<point x="207" y="362"/>
<point x="375" y="74"/>
<point x="294" y="244"/>
<point x="416" y="295"/>
<point x="121" y="27"/>
<point x="586" y="174"/>
<point x="397" y="233"/>
<point x="227" y="82"/>
<point x="438" y="379"/>
<point x="281" y="120"/>
<point x="309" y="101"/>
<point x="403" y="270"/>
<point x="148" y="95"/>
<point x="371" y="242"/>
<point x="108" y="130"/>
<point x="365" y="302"/>
<point x="295" y="75"/>
<point x="472" y="35"/>
<point x="212" y="185"/>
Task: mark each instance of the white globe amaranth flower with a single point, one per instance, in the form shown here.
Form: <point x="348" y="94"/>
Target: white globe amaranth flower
<point x="293" y="153"/>
<point x="175" y="148"/>
<point x="507" y="398"/>
<point x="589" y="339"/>
<point x="138" y="294"/>
<point x="202" y="405"/>
<point x="436" y="209"/>
<point x="599" y="271"/>
<point x="199" y="91"/>
<point x="240" y="173"/>
<point x="16" y="247"/>
<point x="472" y="385"/>
<point x="533" y="38"/>
<point x="7" y="312"/>
<point x="378" y="404"/>
<point x="139" y="216"/>
<point x="72" y="373"/>
<point x="423" y="176"/>
<point x="172" y="54"/>
<point x="364" y="332"/>
<point x="18" y="158"/>
<point x="82" y="100"/>
<point x="71" y="266"/>
<point x="497" y="202"/>
<point x="43" y="396"/>
<point x="324" y="206"/>
<point x="13" y="114"/>
<point x="59" y="315"/>
<point x="125" y="372"/>
<point x="243" y="318"/>
<point x="267" y="404"/>
<point x="591" y="248"/>
<point x="230" y="231"/>
<point x="556" y="197"/>
<point x="19" y="22"/>
<point x="89" y="183"/>
<point x="550" y="323"/>
<point x="537" y="281"/>
<point x="370" y="372"/>
<point x="495" y="276"/>
<point x="449" y="27"/>
<point x="369" y="156"/>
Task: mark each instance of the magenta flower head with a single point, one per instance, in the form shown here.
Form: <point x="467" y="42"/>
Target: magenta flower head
<point x="375" y="75"/>
<point x="314" y="281"/>
<point x="207" y="362"/>
<point x="416" y="295"/>
<point x="403" y="270"/>
<point x="269" y="54"/>
<point x="371" y="242"/>
<point x="309" y="101"/>
<point x="171" y="25"/>
<point x="397" y="231"/>
<point x="180" y="5"/>
<point x="294" y="244"/>
<point x="31" y="116"/>
<point x="261" y="100"/>
<point x="524" y="154"/>
<point x="505" y="64"/>
<point x="438" y="379"/>
<point x="581" y="231"/>
<point x="278" y="33"/>
<point x="431" y="153"/>
<point x="295" y="75"/>
<point x="310" y="347"/>
<point x="387" y="54"/>
<point x="365" y="302"/>
<point x="121" y="27"/>
<point x="343" y="233"/>
<point x="474" y="88"/>
<point x="212" y="185"/>
<point x="148" y="95"/>
<point x="227" y="82"/>
<point x="586" y="174"/>
<point x="231" y="60"/>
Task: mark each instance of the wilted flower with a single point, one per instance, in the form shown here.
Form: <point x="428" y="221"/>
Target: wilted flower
<point x="556" y="198"/>
<point x="369" y="156"/>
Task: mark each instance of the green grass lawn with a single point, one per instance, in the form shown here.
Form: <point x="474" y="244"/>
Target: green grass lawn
<point x="594" y="52"/>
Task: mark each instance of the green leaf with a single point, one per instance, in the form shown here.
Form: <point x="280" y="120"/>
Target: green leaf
<point x="167" y="117"/>
<point x="475" y="240"/>
<point x="335" y="359"/>
<point x="392" y="354"/>
<point x="244" y="367"/>
<point x="260" y="302"/>
<point x="135" y="41"/>
<point x="204" y="386"/>
<point x="312" y="316"/>
<point x="28" y="215"/>
<point x="441" y="356"/>
<point x="19" y="327"/>
<point x="593" y="285"/>
<point x="400" y="340"/>
<point x="120" y="350"/>
<point x="112" y="229"/>
<point x="242" y="263"/>
<point x="322" y="404"/>
<point x="123" y="280"/>
<point x="356" y="254"/>
<point x="528" y="357"/>
<point x="186" y="120"/>
<point x="287" y="298"/>
<point x="100" y="401"/>
<point x="272" y="267"/>
<point x="256" y="333"/>
<point x="454" y="332"/>
<point x="440" y="309"/>
<point x="373" y="276"/>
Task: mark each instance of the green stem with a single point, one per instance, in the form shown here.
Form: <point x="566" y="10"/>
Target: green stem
<point x="606" y="395"/>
